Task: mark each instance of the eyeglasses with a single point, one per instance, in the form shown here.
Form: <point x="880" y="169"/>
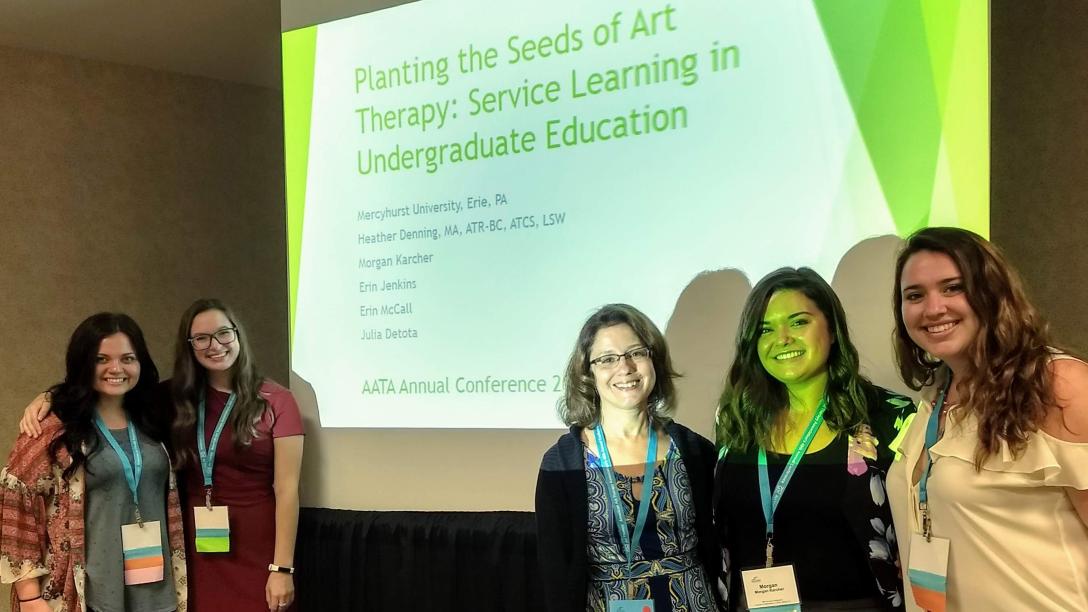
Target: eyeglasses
<point x="611" y="360"/>
<point x="224" y="337"/>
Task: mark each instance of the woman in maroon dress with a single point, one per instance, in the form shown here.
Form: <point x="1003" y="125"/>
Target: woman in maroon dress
<point x="252" y="467"/>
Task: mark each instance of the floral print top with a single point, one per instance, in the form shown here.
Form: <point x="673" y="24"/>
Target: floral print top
<point x="833" y="523"/>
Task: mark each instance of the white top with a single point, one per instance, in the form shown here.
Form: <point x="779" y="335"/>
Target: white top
<point x="1016" y="541"/>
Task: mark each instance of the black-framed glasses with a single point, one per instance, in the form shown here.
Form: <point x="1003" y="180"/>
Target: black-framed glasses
<point x="223" y="336"/>
<point x="611" y="360"/>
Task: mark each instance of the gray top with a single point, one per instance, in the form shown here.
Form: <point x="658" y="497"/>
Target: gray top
<point x="108" y="506"/>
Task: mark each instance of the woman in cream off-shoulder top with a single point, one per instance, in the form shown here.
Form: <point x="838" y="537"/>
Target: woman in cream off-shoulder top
<point x="998" y="477"/>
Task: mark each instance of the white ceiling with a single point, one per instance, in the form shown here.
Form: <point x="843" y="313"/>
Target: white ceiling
<point x="231" y="40"/>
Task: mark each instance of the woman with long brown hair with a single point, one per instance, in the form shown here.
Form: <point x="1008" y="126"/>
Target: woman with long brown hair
<point x="990" y="493"/>
<point x="797" y="415"/>
<point x="239" y="439"/>
<point x="624" y="458"/>
<point x="90" y="514"/>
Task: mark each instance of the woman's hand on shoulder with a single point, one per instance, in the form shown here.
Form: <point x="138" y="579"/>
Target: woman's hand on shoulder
<point x="1069" y="419"/>
<point x="30" y="425"/>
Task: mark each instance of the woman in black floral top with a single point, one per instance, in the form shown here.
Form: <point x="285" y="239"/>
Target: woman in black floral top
<point x="796" y="370"/>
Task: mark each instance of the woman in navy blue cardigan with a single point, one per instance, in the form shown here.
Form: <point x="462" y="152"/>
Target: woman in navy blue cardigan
<point x="618" y="403"/>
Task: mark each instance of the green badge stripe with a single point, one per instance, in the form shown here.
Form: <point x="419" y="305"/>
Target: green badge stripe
<point x="299" y="51"/>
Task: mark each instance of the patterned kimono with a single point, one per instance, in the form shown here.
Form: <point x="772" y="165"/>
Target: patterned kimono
<point x="41" y="524"/>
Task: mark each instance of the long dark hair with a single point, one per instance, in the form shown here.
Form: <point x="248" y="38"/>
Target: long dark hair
<point x="580" y="404"/>
<point x="753" y="402"/>
<point x="74" y="400"/>
<point x="191" y="379"/>
<point x="1009" y="386"/>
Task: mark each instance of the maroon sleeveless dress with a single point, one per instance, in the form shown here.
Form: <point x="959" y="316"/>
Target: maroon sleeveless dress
<point x="242" y="480"/>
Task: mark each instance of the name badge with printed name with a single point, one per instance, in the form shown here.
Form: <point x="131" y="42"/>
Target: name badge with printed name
<point x="141" y="548"/>
<point x="631" y="605"/>
<point x="212" y="529"/>
<point x="928" y="572"/>
<point x="771" y="589"/>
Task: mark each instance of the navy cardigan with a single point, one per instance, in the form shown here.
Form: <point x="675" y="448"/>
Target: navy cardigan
<point x="562" y="515"/>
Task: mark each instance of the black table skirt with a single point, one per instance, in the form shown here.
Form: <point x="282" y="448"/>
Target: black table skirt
<point x="406" y="561"/>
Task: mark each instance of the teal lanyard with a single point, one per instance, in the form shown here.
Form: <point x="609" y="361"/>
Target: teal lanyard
<point x="132" y="472"/>
<point x="932" y="427"/>
<point x="629" y="540"/>
<point x="207" y="459"/>
<point x="770" y="502"/>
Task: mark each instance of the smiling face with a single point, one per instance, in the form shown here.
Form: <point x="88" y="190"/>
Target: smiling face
<point x="117" y="369"/>
<point x="935" y="310"/>
<point x="626" y="384"/>
<point x="217" y="357"/>
<point x="794" y="339"/>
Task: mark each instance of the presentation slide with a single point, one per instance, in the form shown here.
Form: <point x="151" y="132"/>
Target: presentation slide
<point x="468" y="180"/>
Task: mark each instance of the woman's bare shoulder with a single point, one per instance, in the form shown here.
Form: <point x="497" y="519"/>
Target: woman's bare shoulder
<point x="1068" y="420"/>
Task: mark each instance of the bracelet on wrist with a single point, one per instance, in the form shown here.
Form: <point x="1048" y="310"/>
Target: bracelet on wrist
<point x="21" y="600"/>
<point x="283" y="569"/>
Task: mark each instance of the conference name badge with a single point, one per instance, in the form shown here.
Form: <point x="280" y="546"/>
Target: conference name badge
<point x="928" y="571"/>
<point x="212" y="529"/>
<point x="141" y="548"/>
<point x="771" y="589"/>
<point x="631" y="605"/>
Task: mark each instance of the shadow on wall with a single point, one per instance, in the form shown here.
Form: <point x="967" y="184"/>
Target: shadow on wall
<point x="864" y="282"/>
<point x="701" y="334"/>
<point x="316" y="455"/>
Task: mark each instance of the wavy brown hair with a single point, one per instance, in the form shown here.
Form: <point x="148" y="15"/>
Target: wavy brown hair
<point x="753" y="402"/>
<point x="1009" y="386"/>
<point x="580" y="404"/>
<point x="191" y="379"/>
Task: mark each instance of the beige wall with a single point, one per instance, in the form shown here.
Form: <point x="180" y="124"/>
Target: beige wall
<point x="128" y="189"/>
